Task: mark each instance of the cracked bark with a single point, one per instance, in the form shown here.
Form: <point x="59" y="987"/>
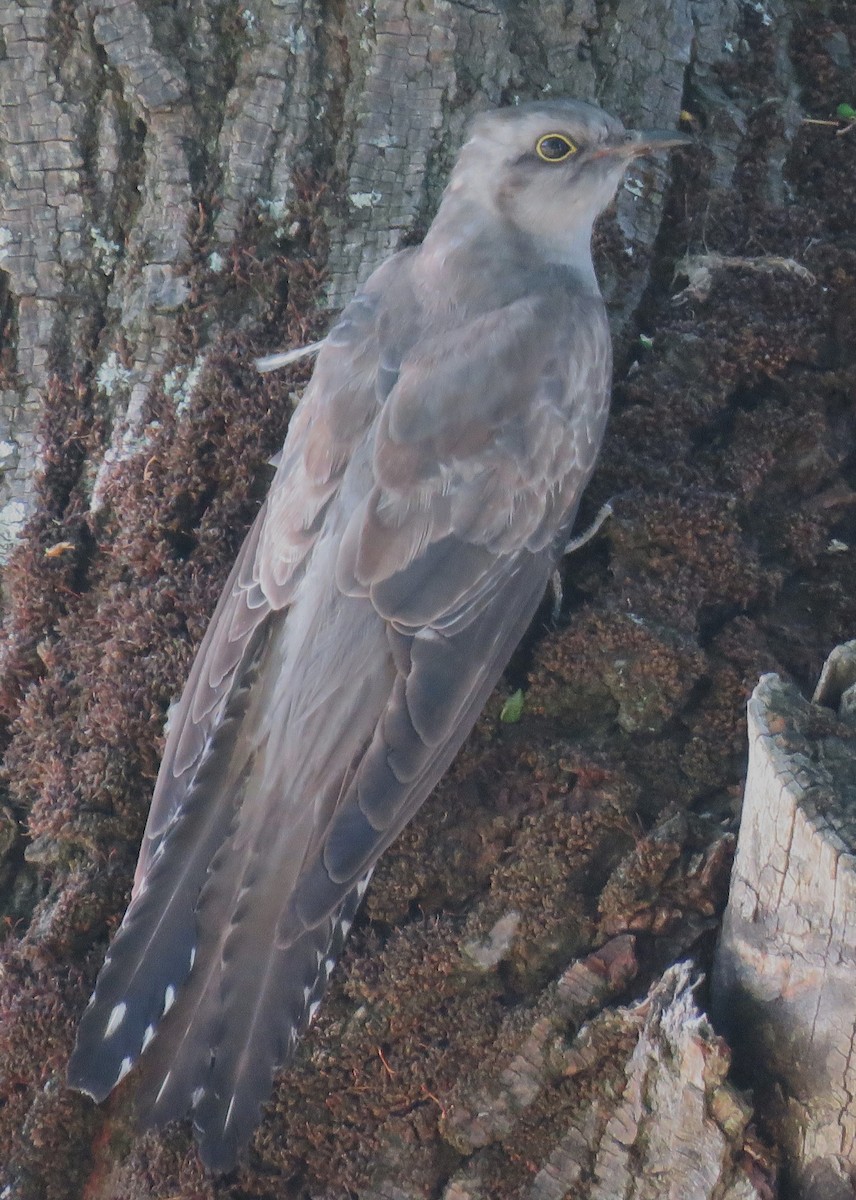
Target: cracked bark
<point x="123" y="127"/>
<point x="184" y="185"/>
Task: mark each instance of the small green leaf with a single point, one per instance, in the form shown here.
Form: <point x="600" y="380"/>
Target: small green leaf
<point x="512" y="710"/>
<point x="846" y="111"/>
<point x="645" y="342"/>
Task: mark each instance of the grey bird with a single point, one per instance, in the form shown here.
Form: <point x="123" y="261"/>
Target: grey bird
<point x="427" y="486"/>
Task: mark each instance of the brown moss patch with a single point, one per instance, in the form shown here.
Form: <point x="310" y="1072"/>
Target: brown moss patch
<point x="40" y="1122"/>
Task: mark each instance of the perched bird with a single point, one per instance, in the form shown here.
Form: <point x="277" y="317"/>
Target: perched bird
<point x="427" y="486"/>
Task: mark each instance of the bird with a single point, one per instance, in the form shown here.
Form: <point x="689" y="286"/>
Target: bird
<point x="428" y="483"/>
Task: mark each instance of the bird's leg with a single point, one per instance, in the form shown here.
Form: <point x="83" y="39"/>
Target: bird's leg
<point x="576" y="543"/>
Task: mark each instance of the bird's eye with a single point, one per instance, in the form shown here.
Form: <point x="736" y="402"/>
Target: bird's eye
<point x="554" y="147"/>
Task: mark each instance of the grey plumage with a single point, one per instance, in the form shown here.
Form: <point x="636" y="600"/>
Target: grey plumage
<point x="429" y="480"/>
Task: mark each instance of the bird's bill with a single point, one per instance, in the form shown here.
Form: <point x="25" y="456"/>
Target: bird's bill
<point x="643" y="141"/>
<point x="649" y="141"/>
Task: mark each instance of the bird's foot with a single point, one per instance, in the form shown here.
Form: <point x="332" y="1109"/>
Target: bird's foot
<point x="604" y="512"/>
<point x="576" y="543"/>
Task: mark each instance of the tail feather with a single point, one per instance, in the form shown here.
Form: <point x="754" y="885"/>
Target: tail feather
<point x="154" y="950"/>
<point x="218" y="1050"/>
<point x="149" y="960"/>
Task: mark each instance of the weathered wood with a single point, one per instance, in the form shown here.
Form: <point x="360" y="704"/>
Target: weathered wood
<point x="785" y="974"/>
<point x="671" y="1129"/>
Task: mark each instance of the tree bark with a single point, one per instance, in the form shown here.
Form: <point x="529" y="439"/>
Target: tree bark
<point x="785" y="965"/>
<point x="186" y="185"/>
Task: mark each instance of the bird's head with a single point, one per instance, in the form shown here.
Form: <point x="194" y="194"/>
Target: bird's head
<point x="549" y="168"/>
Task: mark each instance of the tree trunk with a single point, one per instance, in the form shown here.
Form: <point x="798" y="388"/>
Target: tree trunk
<point x="185" y="185"/>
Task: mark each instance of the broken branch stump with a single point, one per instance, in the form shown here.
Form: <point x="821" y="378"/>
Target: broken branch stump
<point x="785" y="975"/>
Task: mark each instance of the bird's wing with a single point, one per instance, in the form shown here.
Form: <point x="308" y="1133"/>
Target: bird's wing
<point x="480" y="459"/>
<point x="334" y="414"/>
<point x="192" y="808"/>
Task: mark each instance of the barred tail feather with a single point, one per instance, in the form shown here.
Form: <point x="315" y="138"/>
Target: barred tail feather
<point x="220" y="1047"/>
<point x="153" y="952"/>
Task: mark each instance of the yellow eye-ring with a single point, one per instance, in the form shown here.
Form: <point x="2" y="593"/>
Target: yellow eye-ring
<point x="554" y="147"/>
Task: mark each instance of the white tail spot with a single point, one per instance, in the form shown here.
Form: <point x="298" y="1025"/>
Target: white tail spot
<point x="117" y="1016"/>
<point x="313" y="1009"/>
<point x="127" y="1063"/>
<point x="148" y="1035"/>
<point x="168" y="999"/>
<point x="192" y="957"/>
<point x="329" y="965"/>
<point x="307" y="992"/>
<point x="196" y="1096"/>
<point x="345" y="927"/>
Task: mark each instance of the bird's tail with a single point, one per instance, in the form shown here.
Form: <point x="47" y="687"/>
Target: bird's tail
<point x="232" y="1028"/>
<point x="155" y="948"/>
<point x="147" y="964"/>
